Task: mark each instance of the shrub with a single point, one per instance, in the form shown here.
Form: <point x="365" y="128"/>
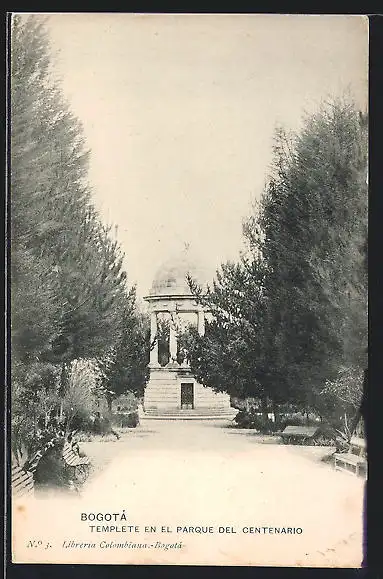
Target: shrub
<point x="78" y="401"/>
<point x="298" y="420"/>
<point x="246" y="419"/>
<point x="126" y="420"/>
<point x="51" y="471"/>
<point x="126" y="403"/>
<point x="82" y="422"/>
<point x="243" y="419"/>
<point x="34" y="399"/>
<point x="323" y="441"/>
<point x="101" y="425"/>
<point x="264" y="425"/>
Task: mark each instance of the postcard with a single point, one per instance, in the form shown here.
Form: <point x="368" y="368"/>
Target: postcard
<point x="188" y="227"/>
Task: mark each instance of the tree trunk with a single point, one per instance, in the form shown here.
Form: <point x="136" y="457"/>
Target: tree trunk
<point x="109" y="401"/>
<point x="264" y="408"/>
<point x="63" y="380"/>
<point x="355" y="422"/>
<point x="277" y="416"/>
<point x="63" y="388"/>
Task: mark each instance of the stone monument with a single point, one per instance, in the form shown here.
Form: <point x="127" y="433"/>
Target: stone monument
<point x="172" y="391"/>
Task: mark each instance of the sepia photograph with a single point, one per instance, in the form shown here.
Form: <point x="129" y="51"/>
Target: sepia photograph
<point x="188" y="226"/>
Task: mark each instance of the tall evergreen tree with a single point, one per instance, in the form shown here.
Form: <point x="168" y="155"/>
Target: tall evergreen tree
<point x="57" y="237"/>
<point x="314" y="237"/>
<point x="70" y="297"/>
<point x="43" y="183"/>
<point x="127" y="368"/>
<point x="293" y="312"/>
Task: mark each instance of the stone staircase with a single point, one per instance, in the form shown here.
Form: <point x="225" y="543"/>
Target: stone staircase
<point x="196" y="414"/>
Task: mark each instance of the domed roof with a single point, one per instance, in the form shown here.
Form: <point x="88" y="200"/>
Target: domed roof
<point x="171" y="277"/>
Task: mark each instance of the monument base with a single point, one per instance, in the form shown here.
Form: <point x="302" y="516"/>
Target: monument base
<point x="173" y="392"/>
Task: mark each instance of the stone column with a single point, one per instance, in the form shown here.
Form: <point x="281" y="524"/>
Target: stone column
<point x="173" y="344"/>
<point x="153" y="335"/>
<point x="201" y="322"/>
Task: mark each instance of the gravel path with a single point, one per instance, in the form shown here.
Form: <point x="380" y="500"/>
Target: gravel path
<point x="206" y="472"/>
<point x="202" y="474"/>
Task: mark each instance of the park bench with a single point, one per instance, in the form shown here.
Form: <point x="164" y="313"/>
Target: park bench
<point x="302" y="434"/>
<point x="354" y="459"/>
<point x="22" y="479"/>
<point x="22" y="482"/>
<point x="78" y="465"/>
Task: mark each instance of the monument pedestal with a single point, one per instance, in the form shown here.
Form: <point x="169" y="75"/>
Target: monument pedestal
<point x="172" y="391"/>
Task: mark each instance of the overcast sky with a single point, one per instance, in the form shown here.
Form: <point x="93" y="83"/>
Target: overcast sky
<point x="179" y="113"/>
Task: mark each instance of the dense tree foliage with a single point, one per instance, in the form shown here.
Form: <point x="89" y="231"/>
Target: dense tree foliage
<point x="314" y="244"/>
<point x="60" y="250"/>
<point x="127" y="366"/>
<point x="293" y="312"/>
<point x="70" y="298"/>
